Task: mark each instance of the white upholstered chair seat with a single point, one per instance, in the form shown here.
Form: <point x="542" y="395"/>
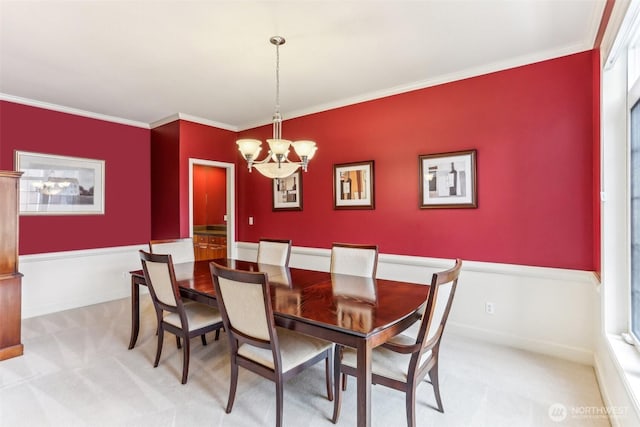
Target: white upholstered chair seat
<point x="394" y="369"/>
<point x="385" y="362"/>
<point x="160" y="276"/>
<point x="255" y="343"/>
<point x="198" y="316"/>
<point x="295" y="349"/>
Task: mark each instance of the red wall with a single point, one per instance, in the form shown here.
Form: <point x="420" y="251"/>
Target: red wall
<point x="199" y="141"/>
<point x="165" y="182"/>
<point x="209" y="195"/>
<point x="172" y="145"/>
<point x="125" y="150"/>
<point x="533" y="128"/>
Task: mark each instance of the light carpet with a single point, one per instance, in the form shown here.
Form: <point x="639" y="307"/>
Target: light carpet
<point x="77" y="371"/>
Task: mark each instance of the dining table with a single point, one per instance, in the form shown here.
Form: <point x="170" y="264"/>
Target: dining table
<point x="353" y="311"/>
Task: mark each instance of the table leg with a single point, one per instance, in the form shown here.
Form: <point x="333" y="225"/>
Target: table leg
<point x="364" y="384"/>
<point x="135" y="312"/>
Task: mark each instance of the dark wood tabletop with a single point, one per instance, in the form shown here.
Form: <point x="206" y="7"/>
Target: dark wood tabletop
<point x="358" y="305"/>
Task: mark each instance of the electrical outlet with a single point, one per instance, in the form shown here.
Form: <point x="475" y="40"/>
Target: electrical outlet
<point x="489" y="308"/>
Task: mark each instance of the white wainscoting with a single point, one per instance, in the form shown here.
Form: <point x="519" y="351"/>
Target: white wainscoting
<point x="545" y="310"/>
<point x="63" y="280"/>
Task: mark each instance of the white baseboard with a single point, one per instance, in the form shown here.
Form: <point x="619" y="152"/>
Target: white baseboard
<point x="574" y="354"/>
<point x="615" y="365"/>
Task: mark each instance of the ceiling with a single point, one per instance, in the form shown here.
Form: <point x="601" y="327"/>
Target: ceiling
<point x="143" y="61"/>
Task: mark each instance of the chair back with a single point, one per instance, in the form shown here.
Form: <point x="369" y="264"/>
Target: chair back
<point x="161" y="281"/>
<point x="274" y="251"/>
<point x="245" y="304"/>
<point x="443" y="288"/>
<point x="355" y="260"/>
<point x="181" y="250"/>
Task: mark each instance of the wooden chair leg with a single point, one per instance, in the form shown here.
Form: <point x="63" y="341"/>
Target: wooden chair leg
<point x="279" y="399"/>
<point x="433" y="375"/>
<point x="232" y="386"/>
<point x="185" y="360"/>
<point x="204" y="339"/>
<point x="411" y="404"/>
<point x="217" y="334"/>
<point x="328" y="368"/>
<point x="159" y="348"/>
<point x="344" y="381"/>
<point x="337" y="396"/>
<point x="178" y="342"/>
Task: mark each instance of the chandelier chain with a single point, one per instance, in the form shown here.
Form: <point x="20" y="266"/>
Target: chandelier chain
<point x="278" y="78"/>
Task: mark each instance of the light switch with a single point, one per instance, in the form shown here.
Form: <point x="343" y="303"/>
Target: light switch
<point x="250" y="220"/>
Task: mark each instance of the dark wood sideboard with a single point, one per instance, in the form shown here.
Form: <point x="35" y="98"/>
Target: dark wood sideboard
<point x="10" y="278"/>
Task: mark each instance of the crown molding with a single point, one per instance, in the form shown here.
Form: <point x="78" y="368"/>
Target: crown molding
<point x="207" y="122"/>
<point x="69" y="110"/>
<point x="423" y="84"/>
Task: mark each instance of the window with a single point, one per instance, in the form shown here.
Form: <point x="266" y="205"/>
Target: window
<point x="633" y="183"/>
<point x="634" y="216"/>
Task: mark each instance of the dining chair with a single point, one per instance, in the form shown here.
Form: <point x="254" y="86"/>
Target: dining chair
<point x="274" y="251"/>
<point x="181" y="250"/>
<point x="354" y="259"/>
<point x="403" y="362"/>
<point x="185" y="320"/>
<point x="255" y="342"/>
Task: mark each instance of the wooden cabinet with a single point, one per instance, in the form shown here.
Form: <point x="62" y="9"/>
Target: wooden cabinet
<point x="10" y="278"/>
<point x="207" y="246"/>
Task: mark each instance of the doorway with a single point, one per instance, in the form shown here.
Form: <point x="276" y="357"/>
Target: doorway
<point x="218" y="221"/>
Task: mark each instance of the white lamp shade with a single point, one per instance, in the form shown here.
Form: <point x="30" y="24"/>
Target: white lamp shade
<point x="274" y="170"/>
<point x="279" y="146"/>
<point x="249" y="147"/>
<point x="304" y="148"/>
<point x="313" y="152"/>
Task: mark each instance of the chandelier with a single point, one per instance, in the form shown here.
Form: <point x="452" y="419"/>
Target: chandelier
<point x="277" y="163"/>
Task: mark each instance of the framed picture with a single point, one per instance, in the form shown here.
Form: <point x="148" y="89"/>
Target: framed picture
<point x="59" y="185"/>
<point x="287" y="192"/>
<point x="448" y="180"/>
<point x="353" y="186"/>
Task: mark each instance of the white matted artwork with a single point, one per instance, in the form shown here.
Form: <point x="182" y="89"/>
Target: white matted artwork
<point x="60" y="185"/>
<point x="287" y="192"/>
<point x="448" y="180"/>
<point x="353" y="185"/>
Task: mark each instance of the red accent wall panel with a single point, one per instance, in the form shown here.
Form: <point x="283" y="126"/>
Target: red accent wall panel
<point x="199" y="141"/>
<point x="165" y="183"/>
<point x="533" y="128"/>
<point x="204" y="142"/>
<point x="125" y="150"/>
